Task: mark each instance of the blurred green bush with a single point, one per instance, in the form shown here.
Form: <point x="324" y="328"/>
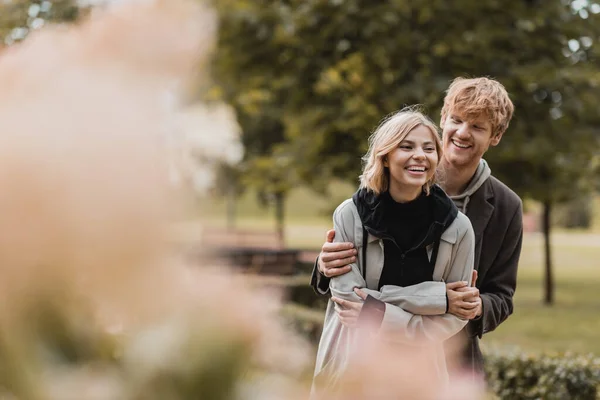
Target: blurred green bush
<point x="517" y="376"/>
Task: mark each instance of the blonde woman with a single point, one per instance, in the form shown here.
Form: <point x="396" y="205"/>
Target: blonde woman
<point x="410" y="240"/>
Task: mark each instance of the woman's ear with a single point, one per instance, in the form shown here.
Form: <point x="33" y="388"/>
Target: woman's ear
<point x="385" y="162"/>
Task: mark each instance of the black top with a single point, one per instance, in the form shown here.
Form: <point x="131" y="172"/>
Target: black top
<point x="406" y="261"/>
<point x="412" y="220"/>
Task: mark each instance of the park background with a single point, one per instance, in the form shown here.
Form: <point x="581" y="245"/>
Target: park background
<point x="309" y="81"/>
<point x="303" y="83"/>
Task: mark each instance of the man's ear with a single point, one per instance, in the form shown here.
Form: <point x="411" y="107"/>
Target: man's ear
<point x="496" y="139"/>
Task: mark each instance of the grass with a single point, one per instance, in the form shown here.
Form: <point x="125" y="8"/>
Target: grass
<point x="571" y="324"/>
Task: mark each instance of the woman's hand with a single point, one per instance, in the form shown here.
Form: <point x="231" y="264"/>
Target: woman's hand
<point x="348" y="311"/>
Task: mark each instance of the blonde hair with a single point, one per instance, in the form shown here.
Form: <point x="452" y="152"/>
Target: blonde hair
<point x="479" y="96"/>
<point x="388" y="135"/>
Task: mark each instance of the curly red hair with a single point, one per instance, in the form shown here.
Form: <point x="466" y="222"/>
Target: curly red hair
<point x="474" y="97"/>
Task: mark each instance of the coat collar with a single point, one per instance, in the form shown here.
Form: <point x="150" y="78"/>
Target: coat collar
<point x="481" y="208"/>
<point x="449" y="235"/>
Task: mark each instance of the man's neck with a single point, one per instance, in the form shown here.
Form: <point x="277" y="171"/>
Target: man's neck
<point x="456" y="179"/>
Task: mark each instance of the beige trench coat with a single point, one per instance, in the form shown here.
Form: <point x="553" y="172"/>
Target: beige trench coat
<point x="414" y="315"/>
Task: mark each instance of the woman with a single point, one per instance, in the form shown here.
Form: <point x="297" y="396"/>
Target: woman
<point x="410" y="238"/>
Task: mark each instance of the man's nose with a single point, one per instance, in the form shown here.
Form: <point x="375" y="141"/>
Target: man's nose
<point x="463" y="130"/>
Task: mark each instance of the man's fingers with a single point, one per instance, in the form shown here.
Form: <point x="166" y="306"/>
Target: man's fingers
<point x="468" y="291"/>
<point x="470" y="315"/>
<point x="467" y="306"/>
<point x="474" y="299"/>
<point x="360" y="293"/>
<point x="474" y="278"/>
<point x="467" y="294"/>
<point x="339" y="263"/>
<point x="338" y="301"/>
<point x="329" y="236"/>
<point x="343" y="303"/>
<point x="465" y="314"/>
<point x="466" y="310"/>
<point x="456" y="285"/>
<point x="334" y="247"/>
<point x="336" y="271"/>
<point x="327" y="256"/>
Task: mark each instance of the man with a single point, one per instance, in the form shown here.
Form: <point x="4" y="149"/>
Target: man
<point x="475" y="115"/>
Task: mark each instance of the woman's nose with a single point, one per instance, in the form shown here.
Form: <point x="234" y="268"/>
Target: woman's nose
<point x="419" y="154"/>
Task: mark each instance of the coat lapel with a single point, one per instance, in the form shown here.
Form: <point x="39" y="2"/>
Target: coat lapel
<point x="374" y="261"/>
<point x="479" y="211"/>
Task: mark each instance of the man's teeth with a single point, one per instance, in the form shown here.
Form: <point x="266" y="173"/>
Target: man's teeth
<point x="462" y="146"/>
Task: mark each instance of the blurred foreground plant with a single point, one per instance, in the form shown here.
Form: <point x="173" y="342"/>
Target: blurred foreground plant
<point x="93" y="306"/>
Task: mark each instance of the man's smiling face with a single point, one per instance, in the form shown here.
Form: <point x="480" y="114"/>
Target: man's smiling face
<point x="466" y="139"/>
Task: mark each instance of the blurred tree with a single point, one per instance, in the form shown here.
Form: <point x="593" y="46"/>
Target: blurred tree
<point x="228" y="184"/>
<point x="247" y="30"/>
<point x="272" y="175"/>
<point x="19" y="17"/>
<point x="329" y="70"/>
<point x="576" y="213"/>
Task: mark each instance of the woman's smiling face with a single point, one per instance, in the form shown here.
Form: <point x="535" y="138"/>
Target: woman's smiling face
<point x="412" y="164"/>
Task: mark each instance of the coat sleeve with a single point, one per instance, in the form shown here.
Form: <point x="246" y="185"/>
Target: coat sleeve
<point x="342" y="286"/>
<point x="500" y="282"/>
<point x="402" y="326"/>
<point x="427" y="298"/>
<point x="318" y="281"/>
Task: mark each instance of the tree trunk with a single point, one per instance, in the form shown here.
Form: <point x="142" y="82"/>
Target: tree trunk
<point x="279" y="217"/>
<point x="231" y="200"/>
<point x="548" y="279"/>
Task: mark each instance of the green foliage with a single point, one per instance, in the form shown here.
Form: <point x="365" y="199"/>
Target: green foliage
<point x="330" y="70"/>
<point x="19" y="17"/>
<point x="252" y="92"/>
<point x="515" y="376"/>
